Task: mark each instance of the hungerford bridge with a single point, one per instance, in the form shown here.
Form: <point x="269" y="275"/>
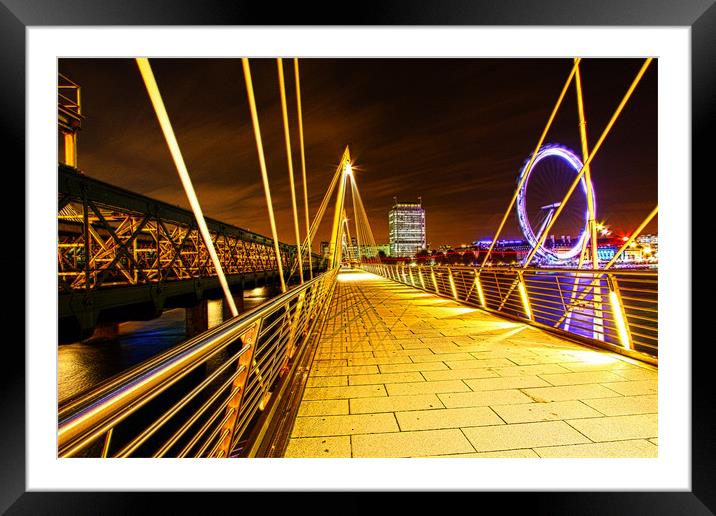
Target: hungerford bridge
<point x="366" y="360"/>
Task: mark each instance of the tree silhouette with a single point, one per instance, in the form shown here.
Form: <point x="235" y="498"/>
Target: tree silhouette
<point x="481" y="255"/>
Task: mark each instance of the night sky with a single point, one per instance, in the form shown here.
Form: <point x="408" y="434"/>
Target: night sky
<point x="454" y="131"/>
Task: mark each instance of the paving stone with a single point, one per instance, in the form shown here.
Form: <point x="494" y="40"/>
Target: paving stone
<point x="321" y="426"/>
<point x="447" y="418"/>
<point x="323" y="408"/>
<point x="523" y="435"/>
<point x="458" y="374"/>
<point x="317" y="447"/>
<point x="379" y="361"/>
<point x="327" y="381"/>
<point x="526" y="453"/>
<point x="530" y="370"/>
<point x="569" y="392"/>
<point x="406" y="368"/>
<point x="343" y="371"/>
<point x="404" y="389"/>
<point x="535" y="359"/>
<point x="510" y="382"/>
<point x="395" y="403"/>
<point x="633" y="388"/>
<point x="552" y="411"/>
<point x="637" y="373"/>
<point x="338" y="361"/>
<point x="581" y="378"/>
<point x="411" y="444"/>
<point x="402" y="352"/>
<point x="354" y="391"/>
<point x="606" y="363"/>
<point x="483" y="399"/>
<point x="367" y="379"/>
<point x="625" y="405"/>
<point x="618" y="427"/>
<point x="443" y="349"/>
<point x="624" y="449"/>
<point x="444" y="357"/>
<point x="473" y="363"/>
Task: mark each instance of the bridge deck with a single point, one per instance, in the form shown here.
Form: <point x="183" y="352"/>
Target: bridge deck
<point x="403" y="373"/>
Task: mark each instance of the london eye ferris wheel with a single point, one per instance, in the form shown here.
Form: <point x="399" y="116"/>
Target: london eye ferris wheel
<point x="546" y="182"/>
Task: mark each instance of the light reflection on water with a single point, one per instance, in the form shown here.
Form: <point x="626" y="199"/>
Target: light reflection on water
<point x="81" y="366"/>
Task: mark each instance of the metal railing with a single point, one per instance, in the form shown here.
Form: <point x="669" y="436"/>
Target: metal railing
<point x="611" y="308"/>
<point x="201" y="398"/>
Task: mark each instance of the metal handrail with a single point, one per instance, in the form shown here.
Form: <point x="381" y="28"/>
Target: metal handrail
<point x="189" y="400"/>
<point x="582" y="304"/>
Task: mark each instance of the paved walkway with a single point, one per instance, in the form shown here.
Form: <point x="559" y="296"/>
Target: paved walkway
<point x="403" y="373"/>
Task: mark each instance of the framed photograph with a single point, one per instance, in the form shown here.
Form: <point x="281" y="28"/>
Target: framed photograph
<point x="508" y="53"/>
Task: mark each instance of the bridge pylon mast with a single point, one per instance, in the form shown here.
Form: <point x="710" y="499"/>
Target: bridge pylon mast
<point x="334" y="249"/>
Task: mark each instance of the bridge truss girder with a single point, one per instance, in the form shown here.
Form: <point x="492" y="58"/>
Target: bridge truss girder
<point x="108" y="237"/>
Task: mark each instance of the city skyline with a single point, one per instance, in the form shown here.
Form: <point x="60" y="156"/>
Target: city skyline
<point x="431" y="140"/>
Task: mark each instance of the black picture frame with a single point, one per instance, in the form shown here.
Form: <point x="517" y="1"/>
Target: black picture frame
<point x="17" y="15"/>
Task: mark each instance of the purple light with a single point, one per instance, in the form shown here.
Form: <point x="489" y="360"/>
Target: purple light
<point x="573" y="161"/>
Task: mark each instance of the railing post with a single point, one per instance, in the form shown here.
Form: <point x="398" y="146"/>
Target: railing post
<point x="228" y="430"/>
<point x="523" y="294"/>
<point x="480" y="293"/>
<point x="452" y="283"/>
<point x="291" y="345"/>
<point x="620" y="318"/>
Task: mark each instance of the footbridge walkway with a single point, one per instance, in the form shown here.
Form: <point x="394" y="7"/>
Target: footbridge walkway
<point x="400" y="372"/>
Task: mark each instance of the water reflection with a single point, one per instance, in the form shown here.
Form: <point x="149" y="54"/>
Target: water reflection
<point x="80" y="365"/>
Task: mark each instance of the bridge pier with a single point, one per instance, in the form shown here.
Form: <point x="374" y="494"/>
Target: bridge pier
<point x="238" y="295"/>
<point x="105" y="330"/>
<point x="273" y="288"/>
<point x="197" y="318"/>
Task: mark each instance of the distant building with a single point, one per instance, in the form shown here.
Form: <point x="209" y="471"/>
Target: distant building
<point x="606" y="252"/>
<point x="354" y="248"/>
<point x="649" y="247"/>
<point x="507" y="251"/>
<point x="633" y="253"/>
<point x="383" y="247"/>
<point x="406" y="229"/>
<point x="652" y="240"/>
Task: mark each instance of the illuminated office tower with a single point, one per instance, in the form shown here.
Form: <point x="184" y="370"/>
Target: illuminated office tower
<point x="406" y="228"/>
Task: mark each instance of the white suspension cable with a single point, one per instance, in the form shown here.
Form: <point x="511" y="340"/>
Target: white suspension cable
<point x="153" y="89"/>
<point x="262" y="164"/>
